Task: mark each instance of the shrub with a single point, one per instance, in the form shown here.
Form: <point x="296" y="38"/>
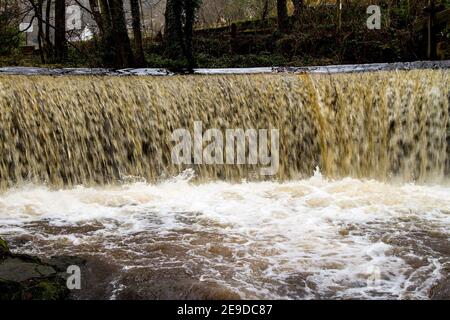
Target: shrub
<point x="9" y="38"/>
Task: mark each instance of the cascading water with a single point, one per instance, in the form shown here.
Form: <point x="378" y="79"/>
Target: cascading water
<point x="91" y="130"/>
<point x="69" y="145"/>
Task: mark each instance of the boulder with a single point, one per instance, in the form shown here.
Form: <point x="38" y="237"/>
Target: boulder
<point x="19" y="270"/>
<point x="24" y="277"/>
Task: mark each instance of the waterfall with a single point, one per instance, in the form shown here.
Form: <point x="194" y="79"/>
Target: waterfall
<point x="72" y="130"/>
<point x="339" y="219"/>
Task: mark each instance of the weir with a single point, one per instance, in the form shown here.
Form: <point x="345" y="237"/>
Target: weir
<point x="88" y="130"/>
<point x="79" y="156"/>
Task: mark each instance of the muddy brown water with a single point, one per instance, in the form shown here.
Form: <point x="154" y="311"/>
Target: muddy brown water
<point x="360" y="206"/>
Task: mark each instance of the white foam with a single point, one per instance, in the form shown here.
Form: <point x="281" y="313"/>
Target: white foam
<point x="326" y="231"/>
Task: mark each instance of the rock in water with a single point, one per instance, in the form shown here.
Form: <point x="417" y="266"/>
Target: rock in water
<point x="24" y="277"/>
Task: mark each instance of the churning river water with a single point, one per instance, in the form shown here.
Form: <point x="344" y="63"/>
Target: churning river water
<point x="372" y="222"/>
<point x="312" y="238"/>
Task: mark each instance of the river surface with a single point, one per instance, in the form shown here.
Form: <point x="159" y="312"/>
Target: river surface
<point x="312" y="238"/>
<point x="372" y="223"/>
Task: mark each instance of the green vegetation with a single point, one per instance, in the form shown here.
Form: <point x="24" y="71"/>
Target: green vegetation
<point x="309" y="35"/>
<point x="4" y="250"/>
<point x="38" y="281"/>
<point x="47" y="289"/>
<point x="9" y="35"/>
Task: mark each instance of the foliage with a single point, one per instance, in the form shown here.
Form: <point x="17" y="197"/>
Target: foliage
<point x="180" y="20"/>
<point x="9" y="36"/>
<point x="312" y="37"/>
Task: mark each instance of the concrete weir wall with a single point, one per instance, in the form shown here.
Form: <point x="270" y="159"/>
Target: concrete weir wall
<point x="263" y="70"/>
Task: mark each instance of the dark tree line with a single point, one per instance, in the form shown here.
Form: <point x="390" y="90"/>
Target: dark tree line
<point x="180" y="18"/>
<point x="119" y="47"/>
<point x="55" y="51"/>
<point x="116" y="44"/>
<point x="116" y="48"/>
<point x="282" y="13"/>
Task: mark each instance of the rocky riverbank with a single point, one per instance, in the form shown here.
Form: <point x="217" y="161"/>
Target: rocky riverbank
<point x="24" y="277"/>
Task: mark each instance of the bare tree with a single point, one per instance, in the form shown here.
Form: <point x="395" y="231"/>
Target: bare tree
<point x="265" y="11"/>
<point x="282" y="14"/>
<point x="180" y="19"/>
<point x="137" y="33"/>
<point x="48" y="43"/>
<point x="37" y="8"/>
<point x="60" y="31"/>
<point x="116" y="44"/>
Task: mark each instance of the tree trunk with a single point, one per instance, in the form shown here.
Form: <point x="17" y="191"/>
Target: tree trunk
<point x="179" y="27"/>
<point x="48" y="42"/>
<point x="123" y="53"/>
<point x="388" y="14"/>
<point x="265" y="11"/>
<point x="174" y="29"/>
<point x="60" y="30"/>
<point x="298" y="7"/>
<point x="339" y="14"/>
<point x="136" y="22"/>
<point x="105" y="14"/>
<point x="431" y="37"/>
<point x="108" y="48"/>
<point x="282" y="13"/>
<point x="38" y="9"/>
<point x="94" y="4"/>
<point x="190" y="9"/>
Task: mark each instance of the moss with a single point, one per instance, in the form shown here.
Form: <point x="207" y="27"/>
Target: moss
<point x="4" y="249"/>
<point x="48" y="289"/>
<point x="39" y="289"/>
<point x="45" y="287"/>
